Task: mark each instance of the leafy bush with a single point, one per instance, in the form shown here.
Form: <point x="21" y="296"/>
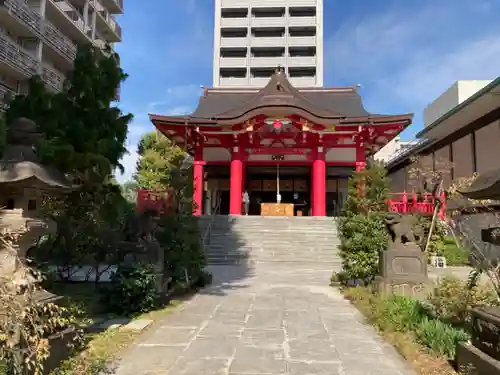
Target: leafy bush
<point x="455" y="255"/>
<point x="453" y="298"/>
<point x="363" y="237"/>
<point x="440" y="337"/>
<point x="398" y="313"/>
<point x="183" y="250"/>
<point x="406" y="315"/>
<point x="361" y="228"/>
<point x="132" y="290"/>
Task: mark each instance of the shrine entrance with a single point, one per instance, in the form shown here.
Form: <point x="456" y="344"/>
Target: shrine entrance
<point x="264" y="183"/>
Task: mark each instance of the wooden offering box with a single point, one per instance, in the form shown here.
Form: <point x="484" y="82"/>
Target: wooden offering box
<point x="276" y="209"/>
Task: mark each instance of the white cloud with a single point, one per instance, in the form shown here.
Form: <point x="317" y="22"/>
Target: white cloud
<point x="177" y="100"/>
<point x="129" y="162"/>
<point x="407" y="56"/>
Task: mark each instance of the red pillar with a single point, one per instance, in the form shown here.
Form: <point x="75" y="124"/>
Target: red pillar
<point x="360" y="157"/>
<point x="198" y="187"/>
<point x="319" y="184"/>
<point x="235" y="194"/>
<point x="198" y="183"/>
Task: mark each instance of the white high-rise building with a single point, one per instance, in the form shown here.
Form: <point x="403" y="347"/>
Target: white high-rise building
<point x="41" y="37"/>
<point x="253" y="37"/>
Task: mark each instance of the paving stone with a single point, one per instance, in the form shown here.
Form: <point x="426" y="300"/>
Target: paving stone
<point x="212" y="347"/>
<point x="270" y="339"/>
<point x="314" y="368"/>
<point x="200" y="366"/>
<point x="221" y="329"/>
<point x="186" y="319"/>
<point x="170" y="336"/>
<point x="312" y="350"/>
<point x="137" y="325"/>
<point x="264" y="319"/>
<point x="252" y="360"/>
<point x="281" y="320"/>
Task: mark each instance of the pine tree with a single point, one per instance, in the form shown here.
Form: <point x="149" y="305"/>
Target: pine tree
<point x="362" y="229"/>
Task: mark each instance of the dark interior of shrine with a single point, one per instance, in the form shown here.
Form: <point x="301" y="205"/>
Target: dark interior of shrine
<point x="261" y="183"/>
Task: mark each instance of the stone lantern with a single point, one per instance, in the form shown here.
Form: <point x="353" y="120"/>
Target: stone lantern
<point x="23" y="184"/>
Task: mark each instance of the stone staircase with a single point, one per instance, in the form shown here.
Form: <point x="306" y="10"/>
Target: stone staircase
<point x="258" y="239"/>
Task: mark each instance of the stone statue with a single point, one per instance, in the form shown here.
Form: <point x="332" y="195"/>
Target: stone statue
<point x="403" y="229"/>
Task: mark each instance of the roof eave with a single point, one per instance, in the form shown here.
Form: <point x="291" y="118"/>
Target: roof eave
<point x="460" y="106"/>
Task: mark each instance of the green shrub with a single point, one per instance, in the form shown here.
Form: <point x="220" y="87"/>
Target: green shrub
<point x="132" y="290"/>
<point x="183" y="251"/>
<point x="440" y="337"/>
<point x="363" y="237"/>
<point x="401" y="314"/>
<point x="452" y="300"/>
<point x="455" y="254"/>
<point x="361" y="228"/>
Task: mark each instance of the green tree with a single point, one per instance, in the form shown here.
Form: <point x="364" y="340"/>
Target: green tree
<point x="159" y="161"/>
<point x="84" y="136"/>
<point x="361" y="227"/>
<point x="84" y="133"/>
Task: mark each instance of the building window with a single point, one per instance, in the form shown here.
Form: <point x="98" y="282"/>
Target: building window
<point x="11" y="204"/>
<point x="474" y="154"/>
<point x="31" y="205"/>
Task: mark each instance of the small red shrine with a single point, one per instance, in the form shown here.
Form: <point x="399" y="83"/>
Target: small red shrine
<point x="281" y="144"/>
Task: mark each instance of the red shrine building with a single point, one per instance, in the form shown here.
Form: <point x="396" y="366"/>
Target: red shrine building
<point x="292" y="150"/>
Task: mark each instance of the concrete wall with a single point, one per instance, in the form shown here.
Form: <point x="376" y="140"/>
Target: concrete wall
<point x="453" y="96"/>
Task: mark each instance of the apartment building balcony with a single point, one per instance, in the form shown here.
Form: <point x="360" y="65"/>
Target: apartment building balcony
<point x="302" y="21"/>
<point x="232" y="62"/>
<point x="301" y="41"/>
<point x="233" y="82"/>
<point x="259" y="81"/>
<point x="52" y="77"/>
<point x="18" y="17"/>
<point x="234" y="22"/>
<point x="6" y="94"/>
<point x="106" y="24"/>
<point x="268" y="21"/>
<point x="21" y="64"/>
<point x="267" y="41"/>
<point x="68" y="17"/>
<point x="235" y="3"/>
<point x="233" y="42"/>
<point x="302" y="3"/>
<point x="114" y="6"/>
<point x="267" y="62"/>
<point x="301" y="61"/>
<point x="303" y="81"/>
<point x="16" y="60"/>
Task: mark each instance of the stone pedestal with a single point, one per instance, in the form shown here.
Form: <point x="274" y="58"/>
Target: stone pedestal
<point x="403" y="272"/>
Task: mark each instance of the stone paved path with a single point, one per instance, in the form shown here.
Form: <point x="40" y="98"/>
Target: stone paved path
<point x="267" y="321"/>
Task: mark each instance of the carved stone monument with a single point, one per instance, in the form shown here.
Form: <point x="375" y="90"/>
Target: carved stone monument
<point x="23" y="183"/>
<point x="482" y="355"/>
<point x="403" y="266"/>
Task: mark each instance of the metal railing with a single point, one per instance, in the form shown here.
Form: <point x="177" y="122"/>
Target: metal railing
<point x="52" y="77"/>
<point x="107" y="17"/>
<point x="17" y="57"/>
<point x="54" y="38"/>
<point x="205" y="240"/>
<point x="5" y="94"/>
<point x="41" y="28"/>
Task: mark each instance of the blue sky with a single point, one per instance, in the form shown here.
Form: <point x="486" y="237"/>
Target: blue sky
<point x="404" y="53"/>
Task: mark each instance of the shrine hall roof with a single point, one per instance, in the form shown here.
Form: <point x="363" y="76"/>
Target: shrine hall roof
<point x="231" y="104"/>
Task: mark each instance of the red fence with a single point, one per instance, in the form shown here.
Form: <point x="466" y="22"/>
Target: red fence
<point x="158" y="201"/>
<point x="406" y="203"/>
